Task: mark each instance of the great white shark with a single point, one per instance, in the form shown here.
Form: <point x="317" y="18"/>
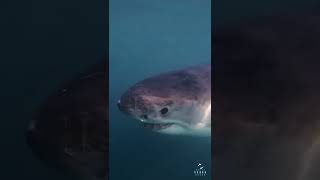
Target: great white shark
<point x="176" y="102"/>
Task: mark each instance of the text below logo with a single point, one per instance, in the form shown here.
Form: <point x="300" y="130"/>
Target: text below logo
<point x="200" y="170"/>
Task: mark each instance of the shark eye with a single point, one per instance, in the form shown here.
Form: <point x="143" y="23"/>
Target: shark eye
<point x="164" y="111"/>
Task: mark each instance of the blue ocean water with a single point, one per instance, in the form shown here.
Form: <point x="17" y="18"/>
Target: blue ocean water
<point x="148" y="37"/>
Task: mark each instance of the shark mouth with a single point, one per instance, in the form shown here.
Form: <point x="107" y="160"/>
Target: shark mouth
<point x="156" y="126"/>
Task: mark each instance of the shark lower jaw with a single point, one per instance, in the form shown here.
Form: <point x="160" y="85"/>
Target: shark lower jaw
<point x="177" y="129"/>
<point x="171" y="128"/>
<point x="156" y="126"/>
<point x="159" y="126"/>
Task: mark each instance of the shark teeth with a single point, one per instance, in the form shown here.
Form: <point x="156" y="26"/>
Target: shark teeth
<point x="156" y="126"/>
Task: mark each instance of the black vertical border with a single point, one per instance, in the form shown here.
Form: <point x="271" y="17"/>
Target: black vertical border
<point x="212" y="85"/>
<point x="106" y="5"/>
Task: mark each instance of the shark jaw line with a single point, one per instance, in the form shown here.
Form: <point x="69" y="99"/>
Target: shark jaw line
<point x="175" y="127"/>
<point x="154" y="125"/>
<point x="159" y="126"/>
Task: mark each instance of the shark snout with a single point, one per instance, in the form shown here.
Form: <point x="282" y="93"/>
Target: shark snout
<point x="133" y="107"/>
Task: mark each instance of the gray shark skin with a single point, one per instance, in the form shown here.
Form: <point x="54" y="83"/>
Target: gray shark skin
<point x="70" y="130"/>
<point x="176" y="102"/>
<point x="267" y="99"/>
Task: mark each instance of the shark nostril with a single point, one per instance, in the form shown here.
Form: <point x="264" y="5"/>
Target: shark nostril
<point x="119" y="106"/>
<point x="144" y="116"/>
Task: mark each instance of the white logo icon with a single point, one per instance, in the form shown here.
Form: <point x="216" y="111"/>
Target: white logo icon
<point x="200" y="170"/>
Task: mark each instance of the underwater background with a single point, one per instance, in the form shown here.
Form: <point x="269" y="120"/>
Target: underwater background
<point x="148" y="37"/>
